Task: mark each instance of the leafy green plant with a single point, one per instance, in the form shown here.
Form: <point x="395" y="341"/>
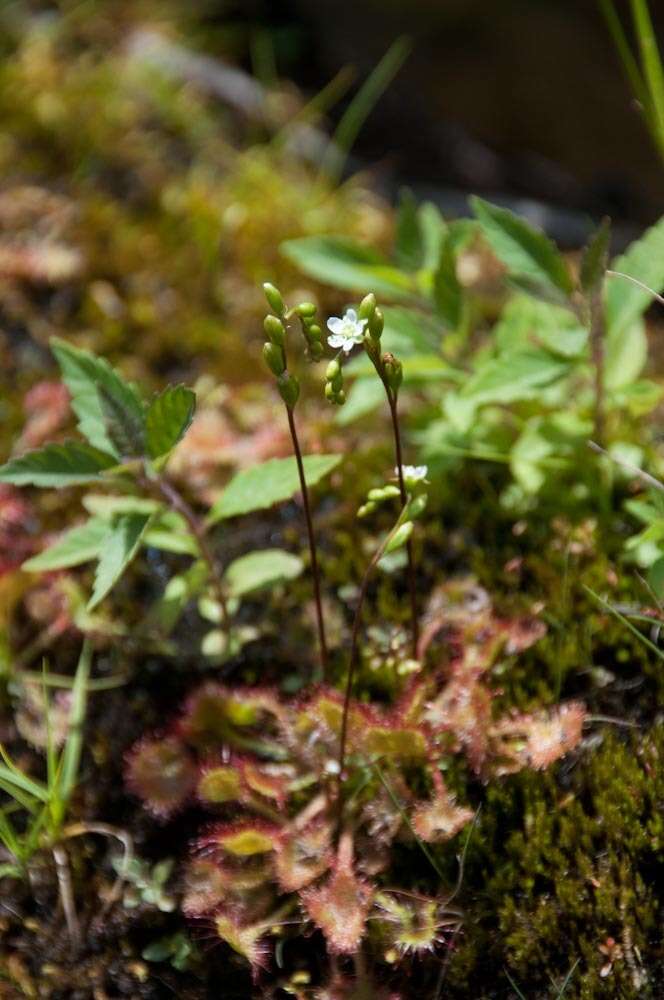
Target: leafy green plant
<point x="562" y="363"/>
<point x="128" y="443"/>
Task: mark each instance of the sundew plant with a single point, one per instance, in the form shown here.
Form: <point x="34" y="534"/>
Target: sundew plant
<point x="309" y="796"/>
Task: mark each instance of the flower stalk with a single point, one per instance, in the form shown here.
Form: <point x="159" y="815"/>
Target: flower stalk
<point x="274" y="354"/>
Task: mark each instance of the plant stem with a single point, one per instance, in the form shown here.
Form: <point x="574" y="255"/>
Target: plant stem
<point x="312" y="542"/>
<point x="176" y="502"/>
<point x="412" y="587"/>
<point x="352" y="662"/>
<point x="67" y="895"/>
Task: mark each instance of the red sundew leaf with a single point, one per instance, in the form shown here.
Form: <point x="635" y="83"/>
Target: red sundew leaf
<point x="204" y="883"/>
<point x="340" y="908"/>
<point x="213" y="713"/>
<point x="410" y="923"/>
<point x="537" y="740"/>
<point x="464" y="710"/>
<point x="247" y="940"/>
<point x="242" y="839"/>
<point x="440" y="819"/>
<point x="218" y="783"/>
<point x="162" y="773"/>
<point x="303" y="855"/>
<point x="267" y="780"/>
<point x="521" y="633"/>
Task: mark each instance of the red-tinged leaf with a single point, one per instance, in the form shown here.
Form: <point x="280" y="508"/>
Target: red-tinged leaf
<point x="162" y="773"/>
<point x="537" y="740"/>
<point x="246" y="940"/>
<point x="340" y="908"/>
<point x="243" y="839"/>
<point x="303" y="855"/>
<point x="463" y="709"/>
<point x="440" y="819"/>
<point x="205" y="883"/>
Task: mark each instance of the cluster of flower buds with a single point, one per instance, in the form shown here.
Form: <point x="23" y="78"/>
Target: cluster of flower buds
<point x="334" y="383"/>
<point x="376" y="497"/>
<point x="311" y="329"/>
<point x="388" y="367"/>
<point x="274" y="349"/>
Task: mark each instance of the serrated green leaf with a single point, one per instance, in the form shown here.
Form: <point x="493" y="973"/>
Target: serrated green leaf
<point x="68" y="464"/>
<point x="78" y="545"/>
<point x="523" y="249"/>
<point x="261" y="569"/>
<point x="168" y="419"/>
<point x="125" y="428"/>
<point x="85" y="375"/>
<point x="643" y="261"/>
<point x="270" y="482"/>
<point x="595" y="258"/>
<point x="513" y="376"/>
<point x="118" y="549"/>
<point x="337" y="261"/>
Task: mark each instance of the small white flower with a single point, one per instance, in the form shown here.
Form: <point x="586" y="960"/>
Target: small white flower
<point x="413" y="473"/>
<point x="346" y="331"/>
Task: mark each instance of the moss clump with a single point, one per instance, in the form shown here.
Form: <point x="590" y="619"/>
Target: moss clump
<point x="564" y="872"/>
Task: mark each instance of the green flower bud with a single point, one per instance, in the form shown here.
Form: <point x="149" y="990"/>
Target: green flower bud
<point x="416" y="506"/>
<point x="366" y="509"/>
<point x="376" y="324"/>
<point x="306" y="310"/>
<point x="341" y="398"/>
<point x="289" y="389"/>
<point x="315" y="351"/>
<point x="337" y="382"/>
<point x="400" y="537"/>
<point x="314" y="332"/>
<point x="274" y="358"/>
<point x="275" y="330"/>
<point x="393" y="371"/>
<point x="274" y="299"/>
<point x="332" y="370"/>
<point x="367" y="307"/>
<point x="330" y="392"/>
<point x="383" y="493"/>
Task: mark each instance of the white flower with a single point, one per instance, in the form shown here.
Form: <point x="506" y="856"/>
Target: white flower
<point x="413" y="473"/>
<point x="346" y="331"/>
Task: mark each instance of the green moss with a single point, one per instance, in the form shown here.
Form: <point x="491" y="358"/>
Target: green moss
<point x="554" y="872"/>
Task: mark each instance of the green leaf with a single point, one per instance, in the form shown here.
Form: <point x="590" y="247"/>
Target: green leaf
<point x="168" y="419"/>
<point x="261" y="569"/>
<point x="448" y="294"/>
<point x="125" y="428"/>
<point x="119" y="548"/>
<point x="270" y="482"/>
<point x="525" y="321"/>
<point x="408" y="243"/>
<point x="643" y="261"/>
<point x="68" y="464"/>
<point x="526" y="456"/>
<point x="513" y="376"/>
<point x="626" y="355"/>
<point x="433" y="229"/>
<point x="595" y="258"/>
<point x="366" y="395"/>
<point x="106" y="405"/>
<point x="523" y="249"/>
<point x="78" y="545"/>
<point x="337" y="261"/>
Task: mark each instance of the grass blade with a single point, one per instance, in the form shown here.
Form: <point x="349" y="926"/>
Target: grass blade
<point x="652" y="66"/>
<point x="361" y="107"/>
<point x="625" y="621"/>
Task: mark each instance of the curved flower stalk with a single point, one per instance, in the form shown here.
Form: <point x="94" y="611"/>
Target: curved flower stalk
<point x="274" y="355"/>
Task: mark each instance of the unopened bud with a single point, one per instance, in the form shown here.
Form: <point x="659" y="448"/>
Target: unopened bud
<point x="400" y="537"/>
<point x="274" y="358"/>
<point x="306" y="310"/>
<point x="416" y="506"/>
<point x="332" y="370"/>
<point x="289" y="389"/>
<point x="274" y="299"/>
<point x="341" y="398"/>
<point x="376" y="324"/>
<point x="275" y="330"/>
<point x="367" y="307"/>
<point x="393" y="371"/>
<point x="366" y="509"/>
<point x="383" y="493"/>
<point x="314" y="332"/>
<point x="330" y="392"/>
<point x="315" y="350"/>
